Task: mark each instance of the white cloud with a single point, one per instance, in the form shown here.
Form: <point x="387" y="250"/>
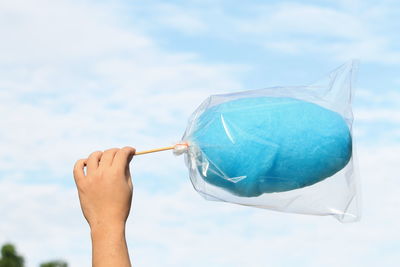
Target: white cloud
<point x="312" y="29"/>
<point x="343" y="33"/>
<point x="377" y="116"/>
<point x="387" y="98"/>
<point x="178" y="226"/>
<point x="337" y="30"/>
<point x="85" y="83"/>
<point x="305" y="19"/>
<point x="59" y="32"/>
<point x="74" y="79"/>
<point x="181" y="19"/>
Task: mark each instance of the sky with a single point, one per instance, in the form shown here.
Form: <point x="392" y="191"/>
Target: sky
<point x="80" y="76"/>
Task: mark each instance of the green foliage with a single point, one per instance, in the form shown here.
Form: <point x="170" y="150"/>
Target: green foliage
<point x="9" y="257"/>
<point x="54" y="264"/>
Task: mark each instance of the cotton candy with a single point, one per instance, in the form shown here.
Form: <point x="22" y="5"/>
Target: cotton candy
<point x="256" y="145"/>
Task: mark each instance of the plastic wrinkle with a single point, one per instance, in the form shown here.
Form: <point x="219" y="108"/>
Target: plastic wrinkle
<point x="287" y="149"/>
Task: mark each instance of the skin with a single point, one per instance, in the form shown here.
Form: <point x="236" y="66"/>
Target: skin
<point x="105" y="194"/>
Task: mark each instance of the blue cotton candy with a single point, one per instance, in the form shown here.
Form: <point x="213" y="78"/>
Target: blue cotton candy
<point x="251" y="146"/>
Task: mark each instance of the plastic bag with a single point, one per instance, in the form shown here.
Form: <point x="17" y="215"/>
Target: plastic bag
<point x="288" y="149"/>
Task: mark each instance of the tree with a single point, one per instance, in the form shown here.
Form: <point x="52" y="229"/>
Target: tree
<point x="54" y="264"/>
<point x="10" y="258"/>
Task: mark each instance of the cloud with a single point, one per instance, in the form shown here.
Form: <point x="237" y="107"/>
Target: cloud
<point x="85" y="83"/>
<point x="174" y="17"/>
<point x="337" y="30"/>
<point x="178" y="226"/>
<point x="60" y="32"/>
<point x="381" y="115"/>
<point x="377" y="116"/>
<point x="342" y="33"/>
<point x="74" y="78"/>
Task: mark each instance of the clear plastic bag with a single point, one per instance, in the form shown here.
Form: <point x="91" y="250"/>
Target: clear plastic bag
<point x="303" y="163"/>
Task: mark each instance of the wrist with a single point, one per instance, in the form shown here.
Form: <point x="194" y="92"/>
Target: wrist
<point x="107" y="229"/>
<point x="109" y="246"/>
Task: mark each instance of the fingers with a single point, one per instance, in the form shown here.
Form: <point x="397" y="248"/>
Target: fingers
<point x="108" y="156"/>
<point x="121" y="157"/>
<point x="78" y="169"/>
<point x="93" y="161"/>
<point x="124" y="156"/>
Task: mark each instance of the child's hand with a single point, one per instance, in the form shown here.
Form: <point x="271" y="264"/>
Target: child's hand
<point x="105" y="191"/>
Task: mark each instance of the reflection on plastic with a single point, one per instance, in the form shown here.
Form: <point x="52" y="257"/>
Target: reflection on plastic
<point x="285" y="148"/>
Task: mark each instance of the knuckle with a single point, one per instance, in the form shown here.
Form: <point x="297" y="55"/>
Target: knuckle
<point x="77" y="164"/>
<point x="128" y="149"/>
<point x="95" y="153"/>
<point x="111" y="150"/>
<point x="77" y="170"/>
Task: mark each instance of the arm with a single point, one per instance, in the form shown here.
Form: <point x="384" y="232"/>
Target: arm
<point x="105" y="194"/>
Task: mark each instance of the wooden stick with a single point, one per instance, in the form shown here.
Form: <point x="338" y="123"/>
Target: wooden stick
<point x="154" y="150"/>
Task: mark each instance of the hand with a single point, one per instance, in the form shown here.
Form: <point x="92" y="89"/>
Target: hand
<point x="105" y="191"/>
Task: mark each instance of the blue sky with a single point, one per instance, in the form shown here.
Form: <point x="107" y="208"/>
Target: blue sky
<point x="78" y="76"/>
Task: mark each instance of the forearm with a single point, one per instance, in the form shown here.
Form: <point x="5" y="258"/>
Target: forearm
<point x="109" y="246"/>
